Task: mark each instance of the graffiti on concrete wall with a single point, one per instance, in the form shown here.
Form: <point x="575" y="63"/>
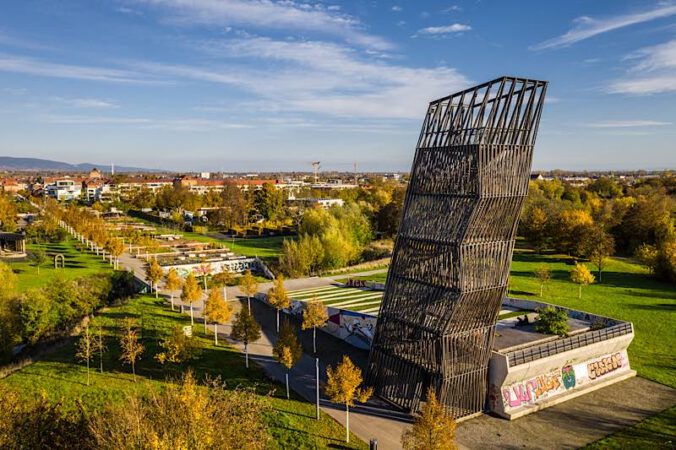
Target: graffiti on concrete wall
<point x="532" y="390"/>
<point x="604" y="366"/>
<point x="541" y="387"/>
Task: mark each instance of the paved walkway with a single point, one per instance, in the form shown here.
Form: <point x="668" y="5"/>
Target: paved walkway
<point x="571" y="424"/>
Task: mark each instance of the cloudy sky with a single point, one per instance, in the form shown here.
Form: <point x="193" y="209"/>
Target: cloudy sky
<point x="273" y="85"/>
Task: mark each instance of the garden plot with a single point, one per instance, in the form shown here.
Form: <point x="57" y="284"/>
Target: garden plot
<point x="353" y="299"/>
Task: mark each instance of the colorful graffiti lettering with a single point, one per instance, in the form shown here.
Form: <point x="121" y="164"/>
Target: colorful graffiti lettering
<point x="532" y="390"/>
<point x="604" y="366"/>
<point x="568" y="376"/>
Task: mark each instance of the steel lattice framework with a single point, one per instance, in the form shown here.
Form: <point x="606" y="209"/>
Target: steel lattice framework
<point x="451" y="259"/>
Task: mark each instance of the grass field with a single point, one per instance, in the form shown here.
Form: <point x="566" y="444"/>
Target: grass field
<point x="291" y="422"/>
<point x="78" y="264"/>
<point x="626" y="292"/>
<point x="657" y="431"/>
<point x="361" y="300"/>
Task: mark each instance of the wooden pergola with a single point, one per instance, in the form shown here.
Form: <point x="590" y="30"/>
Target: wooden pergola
<point x="12" y="242"/>
<point x="450" y="266"/>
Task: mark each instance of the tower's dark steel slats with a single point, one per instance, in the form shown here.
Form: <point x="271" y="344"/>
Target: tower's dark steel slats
<point x="451" y="259"/>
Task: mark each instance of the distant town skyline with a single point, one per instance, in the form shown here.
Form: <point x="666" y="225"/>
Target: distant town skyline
<point x="208" y="85"/>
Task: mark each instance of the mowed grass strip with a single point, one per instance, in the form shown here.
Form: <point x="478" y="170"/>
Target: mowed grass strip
<point x="353" y="299"/>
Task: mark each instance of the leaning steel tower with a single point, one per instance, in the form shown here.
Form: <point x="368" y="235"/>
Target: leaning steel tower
<point x="451" y="259"/>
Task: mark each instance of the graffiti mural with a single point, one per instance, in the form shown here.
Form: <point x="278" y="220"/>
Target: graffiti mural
<point x="536" y="389"/>
<point x="604" y="366"/>
<point x="533" y="390"/>
<point x="568" y="376"/>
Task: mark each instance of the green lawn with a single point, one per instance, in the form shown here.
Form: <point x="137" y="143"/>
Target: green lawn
<point x="291" y="422"/>
<point x="626" y="292"/>
<point x="377" y="277"/>
<point x="78" y="264"/>
<point x="654" y="432"/>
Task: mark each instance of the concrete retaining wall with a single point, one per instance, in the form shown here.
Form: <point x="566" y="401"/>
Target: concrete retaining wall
<point x="522" y="389"/>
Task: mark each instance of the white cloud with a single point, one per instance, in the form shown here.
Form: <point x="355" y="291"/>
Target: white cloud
<point x="282" y="15"/>
<point x="587" y="27"/>
<point x="321" y="77"/>
<point x="654" y="71"/>
<point x="451" y="9"/>
<point x="397" y="8"/>
<point x="444" y="30"/>
<point x="29" y="66"/>
<point x="181" y="124"/>
<point x="627" y="124"/>
<point x="94" y="103"/>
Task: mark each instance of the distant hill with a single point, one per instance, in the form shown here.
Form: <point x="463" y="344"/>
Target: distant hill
<point x="46" y="165"/>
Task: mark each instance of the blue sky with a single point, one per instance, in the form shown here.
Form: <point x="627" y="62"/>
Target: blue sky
<point x="273" y="85"/>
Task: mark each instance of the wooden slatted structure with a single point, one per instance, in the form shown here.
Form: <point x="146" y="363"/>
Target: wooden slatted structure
<point x="451" y="259"/>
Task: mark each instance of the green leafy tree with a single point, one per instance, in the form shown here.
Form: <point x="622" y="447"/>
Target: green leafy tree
<point x="598" y="245"/>
<point x="314" y="315"/>
<point x="342" y="386"/>
<point x="287" y="350"/>
<point x="278" y="297"/>
<point x="246" y="330"/>
<point x="269" y="201"/>
<point x="38" y="257"/>
<point x="433" y="428"/>
<point x="581" y="276"/>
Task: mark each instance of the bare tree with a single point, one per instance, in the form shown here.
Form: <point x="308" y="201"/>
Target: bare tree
<point x="131" y="347"/>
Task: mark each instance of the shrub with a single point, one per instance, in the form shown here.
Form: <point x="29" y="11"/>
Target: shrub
<point x="552" y="321"/>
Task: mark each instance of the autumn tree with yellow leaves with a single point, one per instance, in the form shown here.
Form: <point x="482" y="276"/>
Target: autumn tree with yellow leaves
<point x="581" y="276"/>
<point x="172" y="282"/>
<point x="191" y="293"/>
<point x="314" y="315"/>
<point x="154" y="274"/>
<point x="287" y="350"/>
<point x="216" y="310"/>
<point x="433" y="428"/>
<point x="342" y="386"/>
<point x="278" y="297"/>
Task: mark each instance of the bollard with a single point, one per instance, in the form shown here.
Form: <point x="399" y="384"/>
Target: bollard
<point x="373" y="444"/>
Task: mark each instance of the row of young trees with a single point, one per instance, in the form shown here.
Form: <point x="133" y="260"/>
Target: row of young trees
<point x="605" y="217"/>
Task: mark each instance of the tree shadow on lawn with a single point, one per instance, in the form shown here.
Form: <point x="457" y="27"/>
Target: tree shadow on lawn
<point x="670" y="307"/>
